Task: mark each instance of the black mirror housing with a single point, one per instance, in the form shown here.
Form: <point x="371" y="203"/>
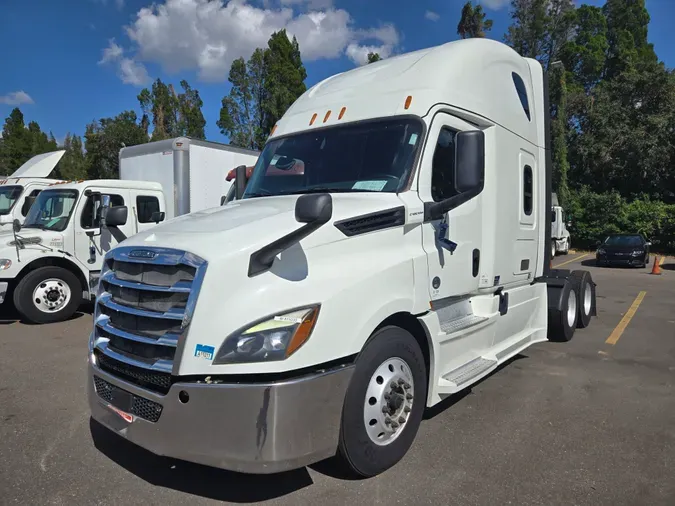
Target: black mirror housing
<point x="16" y="226"/>
<point x="313" y="208"/>
<point x="469" y="160"/>
<point x="116" y="216"/>
<point x="240" y="181"/>
<point x="157" y="216"/>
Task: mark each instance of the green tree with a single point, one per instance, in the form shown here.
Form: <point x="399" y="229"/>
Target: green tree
<point x="103" y="140"/>
<point x="284" y="77"/>
<point x="21" y="142"/>
<point x="73" y="165"/>
<point x="559" y="132"/>
<point x="172" y="114"/>
<point x="242" y="115"/>
<point x="373" y="57"/>
<point x="262" y="90"/>
<point x="473" y="22"/>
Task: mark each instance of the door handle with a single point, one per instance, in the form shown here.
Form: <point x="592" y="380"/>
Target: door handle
<point x="476" y="262"/>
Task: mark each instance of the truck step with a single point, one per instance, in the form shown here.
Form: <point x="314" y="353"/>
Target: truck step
<point x="466" y="372"/>
<point x="452" y="326"/>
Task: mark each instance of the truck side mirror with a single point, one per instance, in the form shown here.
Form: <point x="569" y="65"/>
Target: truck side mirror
<point x="115" y="217"/>
<point x="16" y="226"/>
<point x="598" y="243"/>
<point x="314" y="208"/>
<point x="157" y="216"/>
<point x="240" y="181"/>
<point x="469" y="161"/>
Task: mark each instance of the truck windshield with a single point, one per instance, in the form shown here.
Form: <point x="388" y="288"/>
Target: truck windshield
<point x="51" y="210"/>
<point x="374" y="156"/>
<point x="8" y="197"/>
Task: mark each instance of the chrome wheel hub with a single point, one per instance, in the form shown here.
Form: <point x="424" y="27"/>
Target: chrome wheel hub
<point x="388" y="402"/>
<point x="51" y="295"/>
<point x="571" y="308"/>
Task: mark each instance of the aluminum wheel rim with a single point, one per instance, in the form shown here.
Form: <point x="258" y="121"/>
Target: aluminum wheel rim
<point x="388" y="402"/>
<point x="588" y="297"/>
<point x="571" y="308"/>
<point x="51" y="295"/>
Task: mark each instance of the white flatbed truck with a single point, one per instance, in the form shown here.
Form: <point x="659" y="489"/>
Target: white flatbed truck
<point x="402" y="257"/>
<point x="51" y="263"/>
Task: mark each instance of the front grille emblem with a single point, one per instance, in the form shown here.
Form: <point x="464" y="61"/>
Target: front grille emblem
<point x="142" y="253"/>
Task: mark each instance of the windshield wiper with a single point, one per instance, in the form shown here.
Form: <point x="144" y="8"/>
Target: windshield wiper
<point x="329" y="190"/>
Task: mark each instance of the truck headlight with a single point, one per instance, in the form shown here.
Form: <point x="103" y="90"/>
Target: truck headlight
<point x="5" y="263"/>
<point x="274" y="338"/>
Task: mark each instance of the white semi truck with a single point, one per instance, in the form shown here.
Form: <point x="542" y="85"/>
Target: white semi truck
<point x="397" y="253"/>
<point x="560" y="236"/>
<point x="50" y="264"/>
<point x="18" y="190"/>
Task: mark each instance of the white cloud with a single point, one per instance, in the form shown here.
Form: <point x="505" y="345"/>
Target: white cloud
<point x="495" y="5"/>
<point x="129" y="70"/>
<point x="432" y="16"/>
<point x="16" y="98"/>
<point x="311" y="4"/>
<point x="206" y="36"/>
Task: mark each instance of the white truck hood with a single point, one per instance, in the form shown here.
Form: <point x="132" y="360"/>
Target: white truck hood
<point x="40" y="165"/>
<point x="241" y="227"/>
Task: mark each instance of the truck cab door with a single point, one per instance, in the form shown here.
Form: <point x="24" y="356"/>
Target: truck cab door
<point x="91" y="241"/>
<point x="146" y="209"/>
<point x="453" y="241"/>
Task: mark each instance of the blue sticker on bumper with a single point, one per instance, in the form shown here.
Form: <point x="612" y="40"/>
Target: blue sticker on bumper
<point x="204" y="351"/>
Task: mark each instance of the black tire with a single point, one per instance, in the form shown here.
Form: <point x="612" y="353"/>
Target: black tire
<point x="356" y="451"/>
<point x="584" y="286"/>
<point x="559" y="328"/>
<point x="23" y="295"/>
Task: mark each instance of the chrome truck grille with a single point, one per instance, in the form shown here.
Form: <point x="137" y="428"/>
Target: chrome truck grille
<point x="144" y="304"/>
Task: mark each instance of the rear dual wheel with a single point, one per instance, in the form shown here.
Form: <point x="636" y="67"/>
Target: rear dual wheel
<point x="384" y="403"/>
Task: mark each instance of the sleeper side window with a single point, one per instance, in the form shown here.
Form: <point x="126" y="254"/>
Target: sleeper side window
<point x="527" y="191"/>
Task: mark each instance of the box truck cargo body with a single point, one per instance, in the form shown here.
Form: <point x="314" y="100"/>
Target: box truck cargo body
<point x="192" y="172"/>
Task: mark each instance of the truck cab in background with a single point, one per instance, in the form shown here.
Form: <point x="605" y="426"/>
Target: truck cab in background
<point x="51" y="263"/>
<point x="389" y="249"/>
<point x="560" y="236"/>
<point x="19" y="190"/>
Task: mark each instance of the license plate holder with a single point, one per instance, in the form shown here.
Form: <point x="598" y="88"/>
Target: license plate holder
<point x="121" y="399"/>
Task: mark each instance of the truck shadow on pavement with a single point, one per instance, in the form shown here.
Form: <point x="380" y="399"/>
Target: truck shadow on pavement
<point x="195" y="479"/>
<point x="9" y="315"/>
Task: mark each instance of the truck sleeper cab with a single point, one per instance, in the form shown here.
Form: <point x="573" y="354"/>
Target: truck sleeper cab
<point x="354" y="280"/>
<point x="51" y="263"/>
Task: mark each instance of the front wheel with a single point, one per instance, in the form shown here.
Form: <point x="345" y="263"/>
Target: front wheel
<point x="384" y="403"/>
<point x="47" y="295"/>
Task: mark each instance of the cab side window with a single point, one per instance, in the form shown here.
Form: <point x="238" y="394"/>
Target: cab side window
<point x="91" y="213"/>
<point x="443" y="166"/>
<point x="146" y="205"/>
<point x="25" y="208"/>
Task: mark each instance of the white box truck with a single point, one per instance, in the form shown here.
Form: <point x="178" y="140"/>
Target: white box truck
<point x="50" y="263"/>
<point x="560" y="236"/>
<point x="18" y="190"/>
<point x="397" y="253"/>
<point x="192" y="172"/>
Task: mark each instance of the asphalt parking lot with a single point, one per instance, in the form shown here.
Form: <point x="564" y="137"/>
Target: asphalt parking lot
<point x="591" y="422"/>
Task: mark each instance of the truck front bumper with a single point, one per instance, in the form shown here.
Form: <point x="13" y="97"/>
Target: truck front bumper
<point x="3" y="291"/>
<point x="257" y="428"/>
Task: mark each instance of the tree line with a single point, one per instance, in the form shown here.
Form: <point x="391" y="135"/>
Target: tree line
<point x="612" y="112"/>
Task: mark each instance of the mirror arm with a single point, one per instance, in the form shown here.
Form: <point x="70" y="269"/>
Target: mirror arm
<point x="435" y="210"/>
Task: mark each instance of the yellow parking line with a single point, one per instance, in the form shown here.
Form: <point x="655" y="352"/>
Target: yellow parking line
<point x="662" y="259"/>
<point x="616" y="333"/>
<point x="573" y="260"/>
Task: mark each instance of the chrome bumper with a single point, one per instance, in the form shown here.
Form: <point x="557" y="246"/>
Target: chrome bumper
<point x="250" y="428"/>
<point x="3" y="291"/>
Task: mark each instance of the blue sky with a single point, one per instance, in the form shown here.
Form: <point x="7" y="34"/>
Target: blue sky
<point x="67" y="62"/>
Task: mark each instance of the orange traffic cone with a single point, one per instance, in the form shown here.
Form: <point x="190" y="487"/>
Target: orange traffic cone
<point x="656" y="268"/>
